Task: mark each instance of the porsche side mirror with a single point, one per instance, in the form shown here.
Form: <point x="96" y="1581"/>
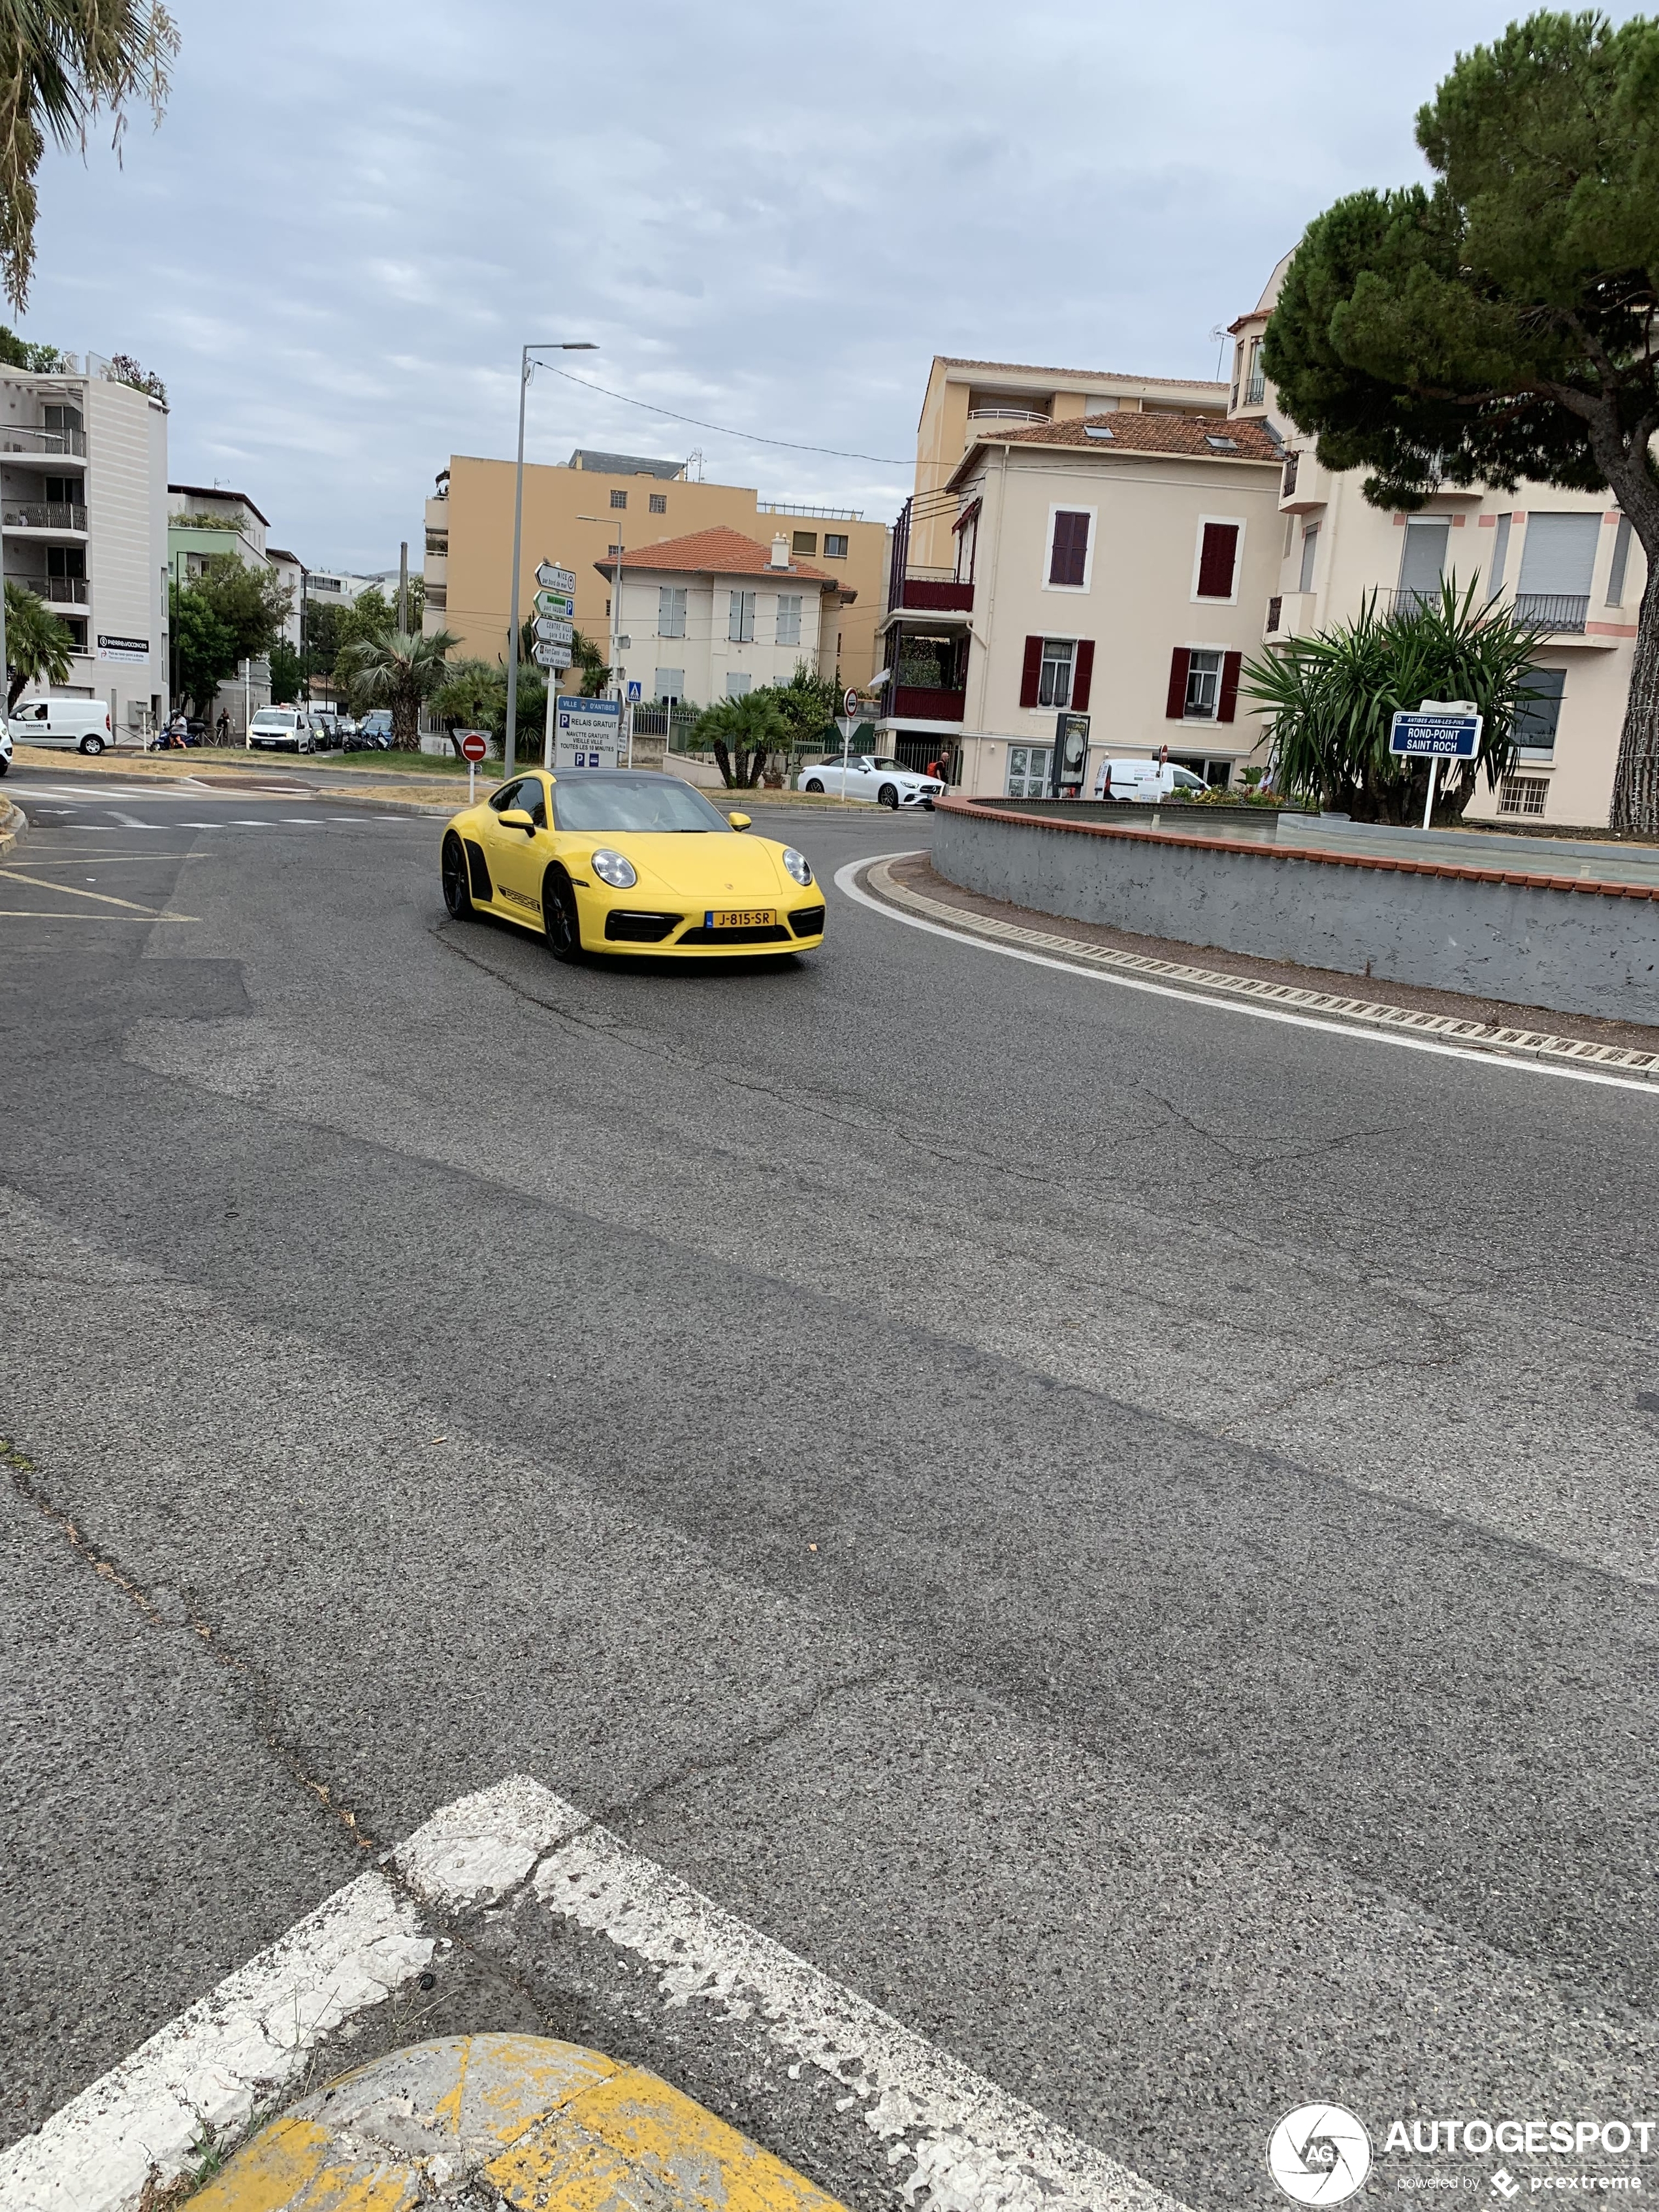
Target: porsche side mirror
<point x="516" y="818"/>
<point x="739" y="821"/>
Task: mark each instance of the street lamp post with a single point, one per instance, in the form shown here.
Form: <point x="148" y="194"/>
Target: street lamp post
<point x="527" y="370"/>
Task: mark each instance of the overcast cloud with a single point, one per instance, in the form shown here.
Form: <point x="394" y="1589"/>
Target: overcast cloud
<point x="768" y="215"/>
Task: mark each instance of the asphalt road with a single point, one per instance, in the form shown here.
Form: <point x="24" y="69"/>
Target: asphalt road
<point x="1122" y="1531"/>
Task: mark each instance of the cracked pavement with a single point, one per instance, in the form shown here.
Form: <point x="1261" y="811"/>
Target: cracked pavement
<point x="1122" y="1533"/>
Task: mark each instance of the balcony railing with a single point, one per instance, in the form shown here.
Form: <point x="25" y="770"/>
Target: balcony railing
<point x="45" y="514"/>
<point x="1557" y="611"/>
<point x="1006" y="414"/>
<point x="929" y="595"/>
<point x="16" y="439"/>
<point x="1293" y="463"/>
<point x="59" y="591"/>
<point x="918" y="702"/>
<point x="1275" y="614"/>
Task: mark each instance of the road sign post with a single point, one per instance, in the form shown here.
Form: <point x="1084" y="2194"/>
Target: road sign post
<point x="1441" y="729"/>
<point x="474" y="745"/>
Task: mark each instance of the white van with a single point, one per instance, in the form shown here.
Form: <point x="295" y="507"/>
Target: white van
<point x="83" y="724"/>
<point x="1146" y="781"/>
<point x="282" y="730"/>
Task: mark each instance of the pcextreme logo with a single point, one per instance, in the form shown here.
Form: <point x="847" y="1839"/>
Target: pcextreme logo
<point x="1319" y="2154"/>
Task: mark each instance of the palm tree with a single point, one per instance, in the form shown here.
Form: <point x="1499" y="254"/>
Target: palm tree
<point x="38" y="645"/>
<point x="62" y="64"/>
<point x="749" y="724"/>
<point x="399" y="670"/>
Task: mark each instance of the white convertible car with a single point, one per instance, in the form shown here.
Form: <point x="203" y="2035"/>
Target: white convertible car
<point x="885" y="782"/>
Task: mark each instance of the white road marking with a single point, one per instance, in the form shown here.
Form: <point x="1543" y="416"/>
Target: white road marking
<point x="846" y="885"/>
<point x="968" y="2145"/>
<point x="126" y="821"/>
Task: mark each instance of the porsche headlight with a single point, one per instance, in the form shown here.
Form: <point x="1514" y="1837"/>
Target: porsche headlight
<point x="797" y="866"/>
<point x="614" y="868"/>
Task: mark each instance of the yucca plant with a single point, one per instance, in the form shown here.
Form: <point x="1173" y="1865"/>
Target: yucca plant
<point x="397" y="670"/>
<point x="1329" y="700"/>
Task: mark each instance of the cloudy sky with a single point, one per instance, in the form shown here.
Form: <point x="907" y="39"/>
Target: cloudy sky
<point x="766" y="214"/>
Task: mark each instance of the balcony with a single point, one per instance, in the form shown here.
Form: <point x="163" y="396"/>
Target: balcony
<point x="1007" y="415"/>
<point x="57" y="591"/>
<point x="1306" y="484"/>
<point x="18" y="439"/>
<point x="44" y="514"/>
<point x="1554" y="611"/>
<point x="916" y="702"/>
<point x="928" y="595"/>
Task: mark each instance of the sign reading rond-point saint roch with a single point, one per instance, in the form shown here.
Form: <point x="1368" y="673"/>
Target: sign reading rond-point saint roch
<point x="1434" y="737"/>
<point x="552" y="578"/>
<point x="586" y="733"/>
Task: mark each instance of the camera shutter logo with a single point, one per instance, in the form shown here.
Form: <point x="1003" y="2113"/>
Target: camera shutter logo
<point x="1319" y="2154"/>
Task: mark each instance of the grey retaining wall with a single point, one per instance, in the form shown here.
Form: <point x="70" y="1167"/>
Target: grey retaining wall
<point x="1517" y="935"/>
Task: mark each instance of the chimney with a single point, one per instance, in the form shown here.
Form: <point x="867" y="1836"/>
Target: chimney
<point x="780" y="551"/>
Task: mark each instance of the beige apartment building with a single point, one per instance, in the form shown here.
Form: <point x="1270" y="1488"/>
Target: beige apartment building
<point x="83" y="474"/>
<point x="966" y="399"/>
<point x="1566" y="559"/>
<point x="576" y="516"/>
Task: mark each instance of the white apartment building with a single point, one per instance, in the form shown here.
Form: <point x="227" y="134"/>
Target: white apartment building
<point x="715" y="615"/>
<point x="1106" y="589"/>
<point x="83" y="476"/>
<point x="1566" y="559"/>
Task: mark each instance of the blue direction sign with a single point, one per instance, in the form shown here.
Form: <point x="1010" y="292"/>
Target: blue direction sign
<point x="1435" y="737"/>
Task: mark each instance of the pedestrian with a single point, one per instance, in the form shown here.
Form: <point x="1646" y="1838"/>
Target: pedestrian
<point x="222" y="727"/>
<point x="179" y="731"/>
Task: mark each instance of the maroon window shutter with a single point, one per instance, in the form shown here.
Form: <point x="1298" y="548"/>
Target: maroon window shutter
<point x="1176" y="707"/>
<point x="1227" y="706"/>
<point x="1071" y="550"/>
<point x="1217" y="561"/>
<point x="1082" y="674"/>
<point x="1032" y="674"/>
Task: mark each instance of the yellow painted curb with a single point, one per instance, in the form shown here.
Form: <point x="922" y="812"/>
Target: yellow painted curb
<point x="545" y="2126"/>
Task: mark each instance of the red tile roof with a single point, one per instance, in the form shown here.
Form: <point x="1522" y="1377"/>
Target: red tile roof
<point x="719" y="552"/>
<point x="1187" y="435"/>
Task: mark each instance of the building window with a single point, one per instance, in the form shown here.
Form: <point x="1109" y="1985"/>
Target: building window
<point x="1500" y="554"/>
<point x="806" y="542"/>
<point x="613" y="553"/>
<point x="1217" y="560"/>
<point x="1275" y="615"/>
<point x="835" y="545"/>
<point x="1292" y="465"/>
<point x="740" y="621"/>
<point x="1255" y="384"/>
<point x="671" y="610"/>
<point x="1055" y="678"/>
<point x="1203" y="686"/>
<point x="789" y="618"/>
<point x="1522" y="794"/>
<point x="1558" y="561"/>
<point x="437" y="541"/>
<point x="437" y="598"/>
<point x="737" y="682"/>
<point x="671" y="686"/>
<point x="1423" y="561"/>
<point x="1537" y="719"/>
<point x="619" y="499"/>
<point x="1068" y="551"/>
<point x="1310" y="555"/>
<point x="660" y="502"/>
<point x="1620" y="562"/>
<point x="1028" y="770"/>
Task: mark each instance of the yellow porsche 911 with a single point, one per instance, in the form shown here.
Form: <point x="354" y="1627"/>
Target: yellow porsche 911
<point x="625" y="861"/>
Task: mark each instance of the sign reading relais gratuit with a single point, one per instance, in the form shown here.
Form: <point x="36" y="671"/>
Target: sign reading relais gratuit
<point x="123" y="648"/>
<point x="588" y="732"/>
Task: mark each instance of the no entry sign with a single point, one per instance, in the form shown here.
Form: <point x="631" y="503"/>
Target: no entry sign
<point x="474" y="744"/>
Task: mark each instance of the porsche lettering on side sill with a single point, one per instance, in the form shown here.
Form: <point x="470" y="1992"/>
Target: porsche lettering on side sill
<point x="518" y="899"/>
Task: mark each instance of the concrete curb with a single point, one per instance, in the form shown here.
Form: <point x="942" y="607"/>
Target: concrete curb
<point x="1527" y="1044"/>
<point x="14" y="826"/>
<point x="537" y="2123"/>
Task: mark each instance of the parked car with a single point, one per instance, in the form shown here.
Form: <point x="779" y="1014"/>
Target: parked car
<point x="347" y="725"/>
<point x="1146" y="781"/>
<point x="374" y="731"/>
<point x="283" y="730"/>
<point x="81" y="725"/>
<point x="882" y="781"/>
<point x="328" y="728"/>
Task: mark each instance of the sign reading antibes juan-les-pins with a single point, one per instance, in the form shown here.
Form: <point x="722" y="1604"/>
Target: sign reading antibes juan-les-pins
<point x="586" y="734"/>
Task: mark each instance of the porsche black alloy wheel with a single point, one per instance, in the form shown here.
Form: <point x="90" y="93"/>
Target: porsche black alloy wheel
<point x="564" y="932"/>
<point x="888" y="796"/>
<point x="457" y="895"/>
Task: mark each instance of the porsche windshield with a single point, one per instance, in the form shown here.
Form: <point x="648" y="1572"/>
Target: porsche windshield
<point x="613" y="803"/>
